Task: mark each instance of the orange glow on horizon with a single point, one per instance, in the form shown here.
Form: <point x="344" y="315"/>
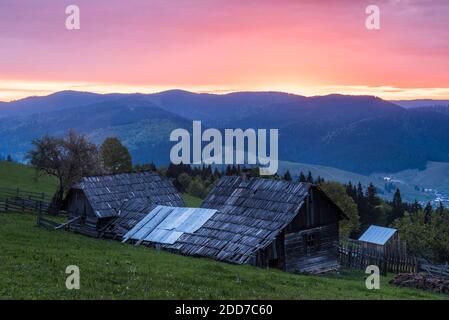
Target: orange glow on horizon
<point x="18" y="90"/>
<point x="301" y="47"/>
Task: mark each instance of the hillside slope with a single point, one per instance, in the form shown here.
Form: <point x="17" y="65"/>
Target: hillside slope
<point x="13" y="175"/>
<point x="33" y="264"/>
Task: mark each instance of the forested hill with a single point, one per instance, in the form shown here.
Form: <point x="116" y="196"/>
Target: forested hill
<point x="360" y="134"/>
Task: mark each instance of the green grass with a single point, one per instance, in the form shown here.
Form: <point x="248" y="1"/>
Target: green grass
<point x="33" y="263"/>
<point x="191" y="201"/>
<point x="13" y="175"/>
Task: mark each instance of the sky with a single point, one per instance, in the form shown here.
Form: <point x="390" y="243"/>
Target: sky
<point x="309" y="47"/>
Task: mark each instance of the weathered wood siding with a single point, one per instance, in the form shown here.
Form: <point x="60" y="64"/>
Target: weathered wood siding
<point x="78" y="206"/>
<point x="312" y="237"/>
<point x="273" y="256"/>
<point x="311" y="249"/>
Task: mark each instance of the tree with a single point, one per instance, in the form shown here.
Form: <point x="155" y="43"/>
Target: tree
<point x="115" y="157"/>
<point x="375" y="212"/>
<point x="416" y="207"/>
<point x="428" y="213"/>
<point x="426" y="239"/>
<point x="196" y="188"/>
<point x="287" y="176"/>
<point x="68" y="159"/>
<point x="9" y="158"/>
<point x="309" y="178"/>
<point x="397" y="207"/>
<point x="337" y="193"/>
<point x="184" y="181"/>
<point x="302" y="177"/>
<point x="145" y="167"/>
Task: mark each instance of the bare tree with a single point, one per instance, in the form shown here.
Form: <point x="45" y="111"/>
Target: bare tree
<point x="68" y="159"/>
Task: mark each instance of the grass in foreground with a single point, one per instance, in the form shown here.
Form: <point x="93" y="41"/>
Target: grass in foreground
<point x="33" y="263"/>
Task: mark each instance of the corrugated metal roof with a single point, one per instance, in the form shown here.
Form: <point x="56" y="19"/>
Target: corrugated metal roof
<point x="377" y="235"/>
<point x="166" y="224"/>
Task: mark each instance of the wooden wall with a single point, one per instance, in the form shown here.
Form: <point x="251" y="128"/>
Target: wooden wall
<point x="78" y="206"/>
<point x="311" y="249"/>
<point x="311" y="239"/>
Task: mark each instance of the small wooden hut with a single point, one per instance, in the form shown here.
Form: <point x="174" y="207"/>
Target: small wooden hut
<point x="108" y="202"/>
<point x="382" y="240"/>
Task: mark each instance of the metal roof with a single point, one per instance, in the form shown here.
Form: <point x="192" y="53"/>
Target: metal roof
<point x="166" y="224"/>
<point x="377" y="235"/>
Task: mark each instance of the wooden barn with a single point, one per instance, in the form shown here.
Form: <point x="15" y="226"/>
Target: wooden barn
<point x="382" y="240"/>
<point x="263" y="222"/>
<point x="107" y="203"/>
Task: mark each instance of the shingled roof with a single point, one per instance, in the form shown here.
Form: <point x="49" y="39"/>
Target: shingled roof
<point x="251" y="213"/>
<point x="110" y="194"/>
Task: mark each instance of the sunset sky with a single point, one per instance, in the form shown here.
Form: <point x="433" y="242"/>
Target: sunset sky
<point x="306" y="47"/>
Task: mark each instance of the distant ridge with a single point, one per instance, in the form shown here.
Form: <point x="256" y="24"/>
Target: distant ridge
<point x="420" y="103"/>
<point x="360" y="134"/>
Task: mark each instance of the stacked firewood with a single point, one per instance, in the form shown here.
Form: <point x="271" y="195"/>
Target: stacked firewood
<point x="422" y="281"/>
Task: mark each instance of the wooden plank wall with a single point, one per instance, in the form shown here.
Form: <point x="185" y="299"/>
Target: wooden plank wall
<point x="299" y="257"/>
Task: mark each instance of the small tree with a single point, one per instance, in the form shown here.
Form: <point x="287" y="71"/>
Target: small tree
<point x="337" y="193"/>
<point x="184" y="180"/>
<point x="397" y="207"/>
<point x="115" y="157"/>
<point x="287" y="176"/>
<point x="309" y="178"/>
<point x="196" y="188"/>
<point x="68" y="159"/>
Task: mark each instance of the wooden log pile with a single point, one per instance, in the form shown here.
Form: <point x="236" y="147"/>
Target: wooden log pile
<point x="422" y="281"/>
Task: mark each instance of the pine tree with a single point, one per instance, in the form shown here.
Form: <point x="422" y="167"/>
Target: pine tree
<point x="309" y="177"/>
<point x="428" y="213"/>
<point x="397" y="207"/>
<point x="441" y="209"/>
<point x="287" y="176"/>
<point x="302" y="177"/>
<point x="416" y="207"/>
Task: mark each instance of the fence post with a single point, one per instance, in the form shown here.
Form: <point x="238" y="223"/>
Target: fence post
<point x="384" y="269"/>
<point x="349" y="256"/>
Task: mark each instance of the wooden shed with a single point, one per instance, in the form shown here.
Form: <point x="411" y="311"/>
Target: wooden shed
<point x="107" y="203"/>
<point x="263" y="222"/>
<point x="382" y="240"/>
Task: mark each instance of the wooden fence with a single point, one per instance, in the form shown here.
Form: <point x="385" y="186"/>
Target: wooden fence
<point x="441" y="270"/>
<point x="47" y="223"/>
<point x="16" y="204"/>
<point x="352" y="255"/>
<point x="24" y="194"/>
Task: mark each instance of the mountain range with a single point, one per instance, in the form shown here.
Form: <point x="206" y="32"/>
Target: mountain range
<point x="360" y="134"/>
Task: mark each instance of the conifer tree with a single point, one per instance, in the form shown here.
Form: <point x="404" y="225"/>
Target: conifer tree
<point x="287" y="176"/>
